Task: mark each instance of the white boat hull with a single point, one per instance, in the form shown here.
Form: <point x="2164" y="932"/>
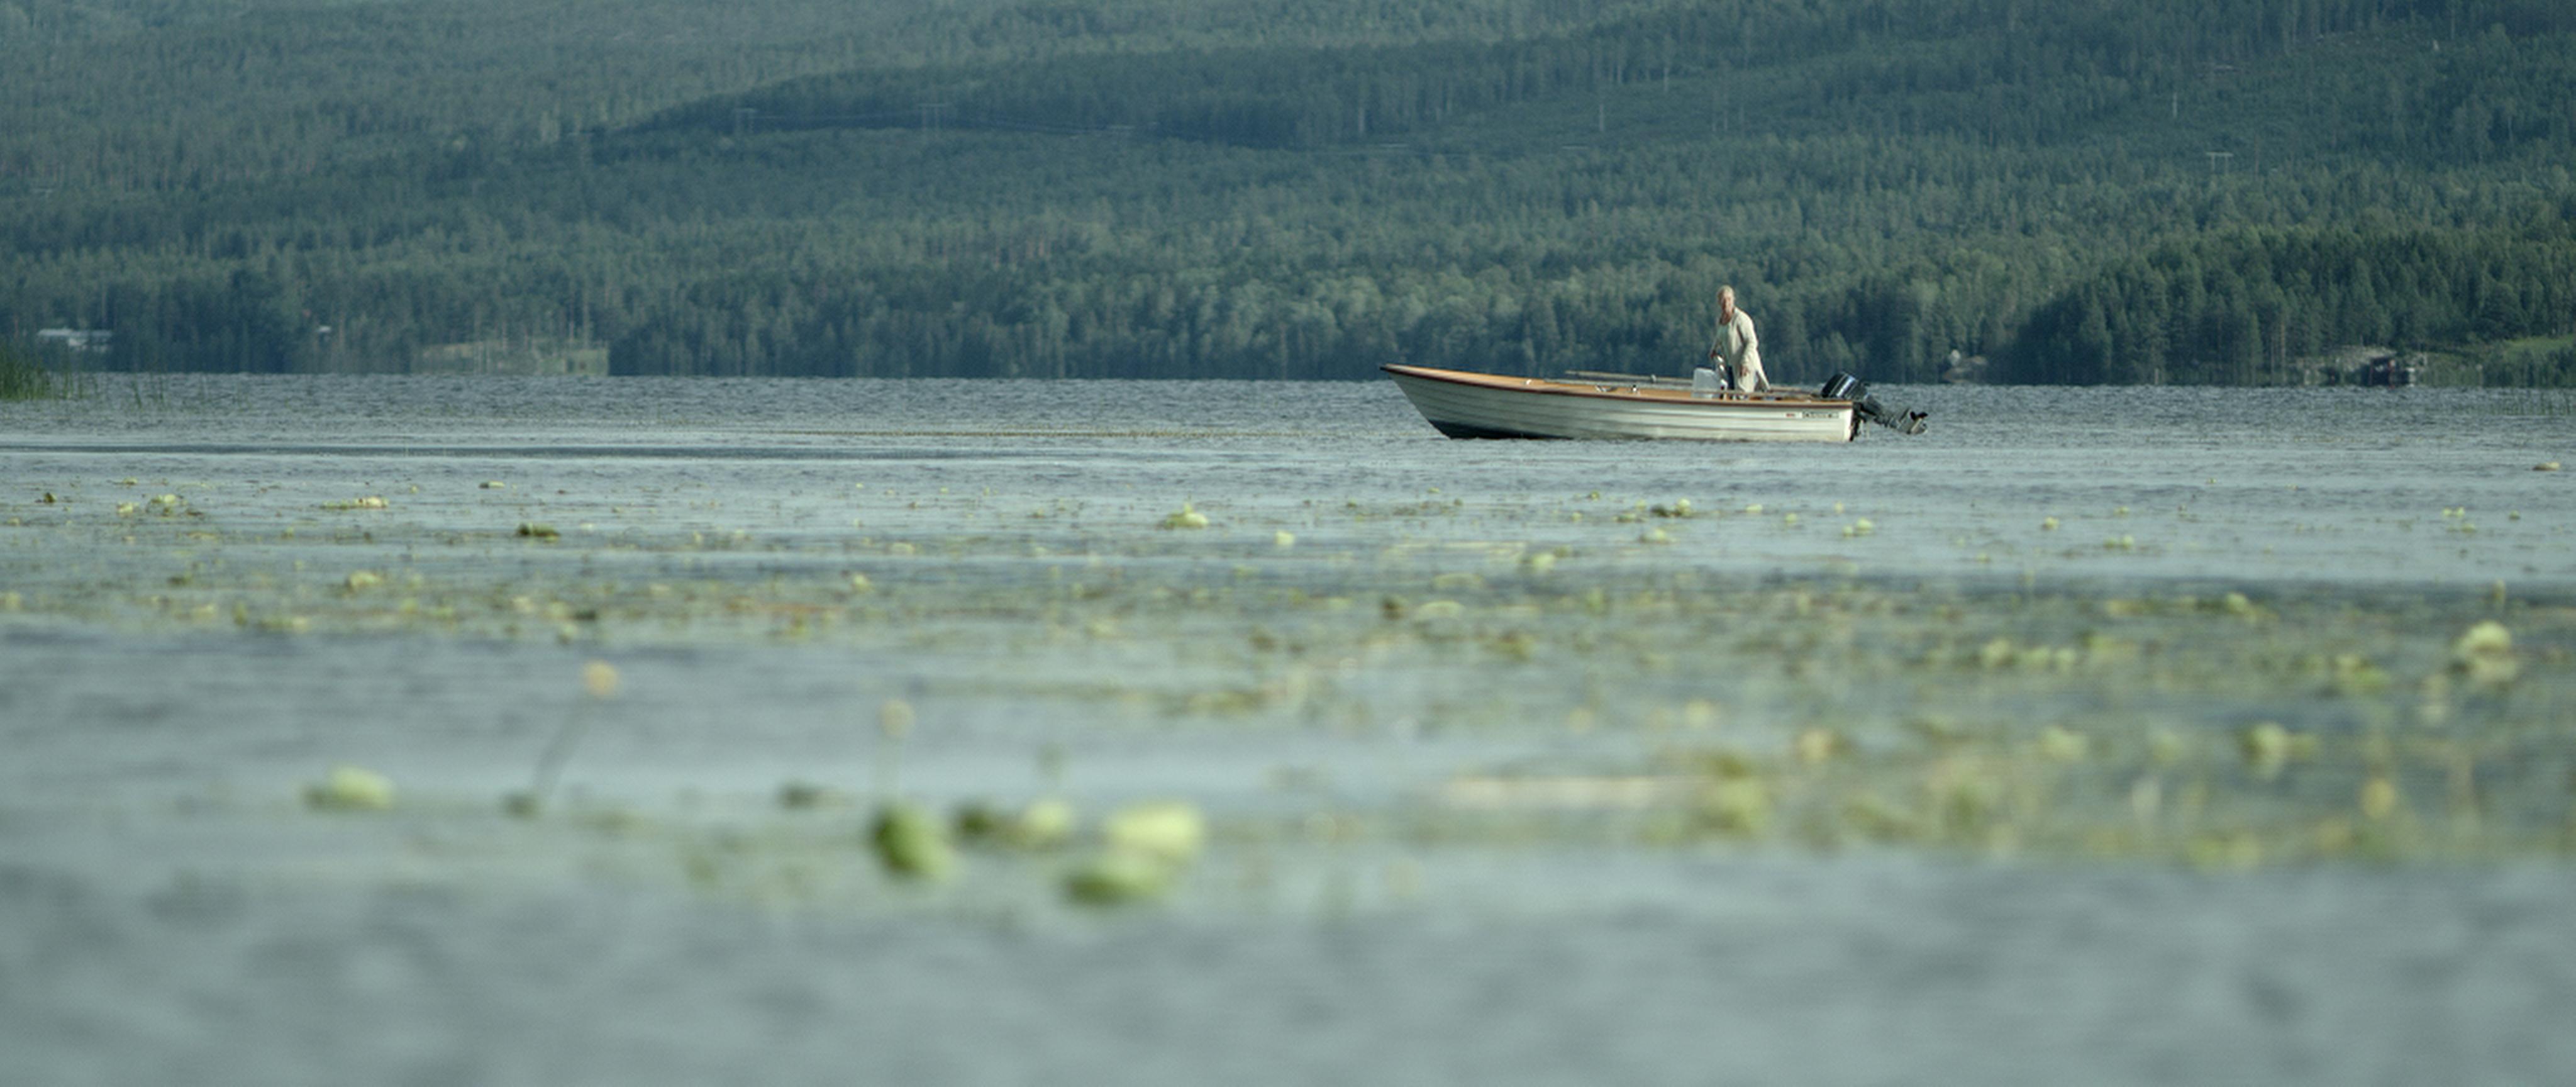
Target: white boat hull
<point x="1471" y="405"/>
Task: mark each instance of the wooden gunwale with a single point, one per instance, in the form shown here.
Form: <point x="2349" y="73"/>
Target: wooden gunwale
<point x="1610" y="390"/>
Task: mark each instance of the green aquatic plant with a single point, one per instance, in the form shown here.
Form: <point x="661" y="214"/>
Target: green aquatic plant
<point x="1737" y="805"/>
<point x="2379" y="798"/>
<point x="350" y="788"/>
<point x="2057" y="743"/>
<point x="1144" y="849"/>
<point x="1819" y="745"/>
<point x="911" y="844"/>
<point x="1172" y="830"/>
<point x="2484" y="654"/>
<point x="806" y="796"/>
<point x="1043" y="824"/>
<point x="1116" y="877"/>
<point x="2268" y="747"/>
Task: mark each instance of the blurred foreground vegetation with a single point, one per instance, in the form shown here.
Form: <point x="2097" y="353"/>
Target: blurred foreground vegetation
<point x="2205" y="192"/>
<point x="2159" y="723"/>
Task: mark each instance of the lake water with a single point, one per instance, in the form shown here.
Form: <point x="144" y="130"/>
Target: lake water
<point x="2109" y="735"/>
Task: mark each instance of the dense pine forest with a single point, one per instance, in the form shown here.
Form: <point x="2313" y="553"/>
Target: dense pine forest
<point x="2085" y="191"/>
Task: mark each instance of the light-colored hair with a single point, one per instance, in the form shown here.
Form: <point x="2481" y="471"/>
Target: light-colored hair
<point x="1727" y="291"/>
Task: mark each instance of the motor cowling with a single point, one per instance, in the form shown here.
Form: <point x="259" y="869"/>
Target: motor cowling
<point x="1844" y="386"/>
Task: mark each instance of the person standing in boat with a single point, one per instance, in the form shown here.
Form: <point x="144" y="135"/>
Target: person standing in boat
<point x="1737" y="351"/>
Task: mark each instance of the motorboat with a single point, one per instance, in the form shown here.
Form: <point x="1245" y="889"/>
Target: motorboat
<point x="1587" y="404"/>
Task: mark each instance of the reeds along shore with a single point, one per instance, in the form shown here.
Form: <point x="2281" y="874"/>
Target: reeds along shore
<point x="21" y="378"/>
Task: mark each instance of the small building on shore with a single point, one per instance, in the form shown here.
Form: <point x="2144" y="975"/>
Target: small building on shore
<point x="76" y="340"/>
<point x="2390" y="370"/>
<point x="2385" y="367"/>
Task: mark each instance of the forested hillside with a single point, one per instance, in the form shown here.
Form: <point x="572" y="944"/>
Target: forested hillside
<point x="2204" y="191"/>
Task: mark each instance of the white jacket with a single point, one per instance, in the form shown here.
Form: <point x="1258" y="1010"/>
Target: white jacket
<point x="1741" y="351"/>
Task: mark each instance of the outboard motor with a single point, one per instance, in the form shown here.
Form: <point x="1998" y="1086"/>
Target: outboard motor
<point x="1894" y="417"/>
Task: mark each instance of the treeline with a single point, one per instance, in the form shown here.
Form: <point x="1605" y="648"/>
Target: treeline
<point x="2220" y="186"/>
<point x="2239" y="307"/>
<point x="1182" y="283"/>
